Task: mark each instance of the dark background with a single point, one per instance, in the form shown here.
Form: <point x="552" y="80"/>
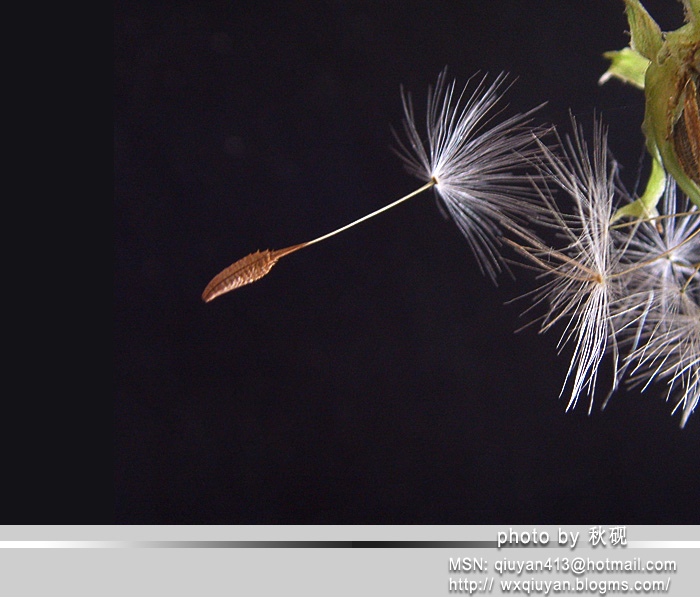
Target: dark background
<point x="374" y="378"/>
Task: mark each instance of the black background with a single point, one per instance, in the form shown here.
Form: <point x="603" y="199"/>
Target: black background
<point x="376" y="377"/>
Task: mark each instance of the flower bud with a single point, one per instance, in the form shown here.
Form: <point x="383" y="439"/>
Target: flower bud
<point x="671" y="66"/>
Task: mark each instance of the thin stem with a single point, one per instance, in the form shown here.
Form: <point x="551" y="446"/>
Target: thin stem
<point x="661" y="217"/>
<point x="425" y="187"/>
<point x="526" y="251"/>
<point x="687" y="282"/>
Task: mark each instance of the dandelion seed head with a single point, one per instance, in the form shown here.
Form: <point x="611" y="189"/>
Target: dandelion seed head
<point x="663" y="247"/>
<point x="477" y="164"/>
<point x="579" y="285"/>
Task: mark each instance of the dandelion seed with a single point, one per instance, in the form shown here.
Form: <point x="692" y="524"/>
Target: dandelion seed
<point x="473" y="163"/>
<point x="580" y="288"/>
<point x="478" y="168"/>
<point x="664" y="267"/>
<point x="668" y="256"/>
<point x="658" y="259"/>
<point x="671" y="351"/>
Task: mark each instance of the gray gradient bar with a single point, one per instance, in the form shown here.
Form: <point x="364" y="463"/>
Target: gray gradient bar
<point x="309" y="545"/>
<point x="246" y="544"/>
<point x="664" y="544"/>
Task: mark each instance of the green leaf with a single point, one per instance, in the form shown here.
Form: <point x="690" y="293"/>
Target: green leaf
<point x="646" y="34"/>
<point x="627" y="65"/>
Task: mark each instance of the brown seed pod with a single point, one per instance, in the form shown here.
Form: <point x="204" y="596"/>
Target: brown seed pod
<point x="244" y="271"/>
<point x="685" y="131"/>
